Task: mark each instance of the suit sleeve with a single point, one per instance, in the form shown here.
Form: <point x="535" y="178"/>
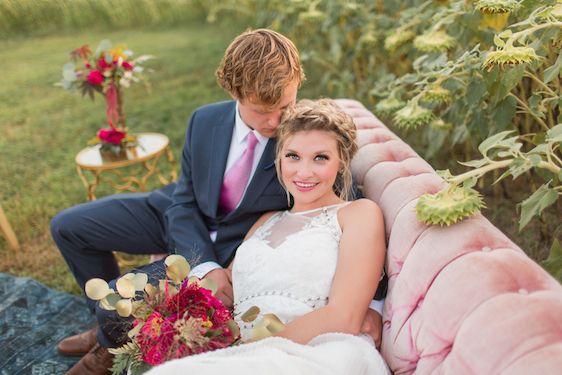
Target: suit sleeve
<point x="188" y="231"/>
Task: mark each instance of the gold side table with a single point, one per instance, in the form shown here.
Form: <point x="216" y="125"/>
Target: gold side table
<point x="143" y="161"/>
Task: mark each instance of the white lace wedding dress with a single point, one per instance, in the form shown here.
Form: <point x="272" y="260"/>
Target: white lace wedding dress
<point x="286" y="268"/>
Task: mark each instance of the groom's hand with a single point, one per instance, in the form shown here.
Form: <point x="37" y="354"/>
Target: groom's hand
<point x="372" y="326"/>
<point x="223" y="279"/>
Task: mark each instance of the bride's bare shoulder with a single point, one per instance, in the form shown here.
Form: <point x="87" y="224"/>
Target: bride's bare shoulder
<point x="360" y="211"/>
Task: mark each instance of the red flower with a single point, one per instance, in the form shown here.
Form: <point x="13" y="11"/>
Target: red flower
<point x="127" y="65"/>
<point x="110" y="135"/>
<point x="102" y="64"/>
<point x="95" y="77"/>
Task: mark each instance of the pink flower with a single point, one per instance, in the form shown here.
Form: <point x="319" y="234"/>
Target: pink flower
<point x="102" y="64"/>
<point x="95" y="77"/>
<point x="87" y="65"/>
<point x="110" y="135"/>
<point x="127" y="65"/>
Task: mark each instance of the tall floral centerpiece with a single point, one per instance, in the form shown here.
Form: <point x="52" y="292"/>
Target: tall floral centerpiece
<point x="106" y="71"/>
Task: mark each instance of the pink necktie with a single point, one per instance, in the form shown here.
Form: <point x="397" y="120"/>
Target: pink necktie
<point x="237" y="177"/>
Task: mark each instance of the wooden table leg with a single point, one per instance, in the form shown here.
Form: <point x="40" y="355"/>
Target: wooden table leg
<point x="8" y="231"/>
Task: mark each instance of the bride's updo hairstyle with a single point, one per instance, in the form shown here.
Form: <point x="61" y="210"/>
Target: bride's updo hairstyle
<point x="324" y="115"/>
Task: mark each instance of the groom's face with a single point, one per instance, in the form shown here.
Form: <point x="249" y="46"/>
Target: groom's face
<point x="264" y="119"/>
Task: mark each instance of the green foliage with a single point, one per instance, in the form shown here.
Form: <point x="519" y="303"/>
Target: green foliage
<point x="24" y="17"/>
<point x="553" y="264"/>
<point x="459" y="73"/>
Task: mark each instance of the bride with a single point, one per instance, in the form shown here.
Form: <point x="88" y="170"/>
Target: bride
<point x="297" y="264"/>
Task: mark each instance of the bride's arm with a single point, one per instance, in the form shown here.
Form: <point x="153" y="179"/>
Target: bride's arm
<point x="360" y="262"/>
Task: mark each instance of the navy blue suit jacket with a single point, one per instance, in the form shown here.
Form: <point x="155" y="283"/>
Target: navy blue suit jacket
<point x="193" y="209"/>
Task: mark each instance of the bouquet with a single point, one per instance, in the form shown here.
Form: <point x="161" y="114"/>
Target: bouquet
<point x="106" y="71"/>
<point x="177" y="318"/>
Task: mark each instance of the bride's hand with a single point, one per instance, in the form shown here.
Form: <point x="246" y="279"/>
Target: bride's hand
<point x="372" y="326"/>
<point x="223" y="279"/>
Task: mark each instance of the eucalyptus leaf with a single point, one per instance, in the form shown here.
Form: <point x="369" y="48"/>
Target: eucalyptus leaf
<point x="259" y="333"/>
<point x="124" y="307"/>
<point x="250" y="315"/>
<point x="96" y="289"/>
<point x="104" y="304"/>
<point x="112" y="299"/>
<point x="209" y="284"/>
<point x="150" y="289"/>
<point x="139" y="281"/>
<point x="536" y="203"/>
<point x="125" y="287"/>
<point x="273" y="323"/>
<point x="177" y="268"/>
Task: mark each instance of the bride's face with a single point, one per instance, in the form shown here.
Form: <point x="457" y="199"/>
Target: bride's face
<point x="309" y="166"/>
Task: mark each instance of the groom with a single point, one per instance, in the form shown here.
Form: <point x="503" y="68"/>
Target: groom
<point x="227" y="182"/>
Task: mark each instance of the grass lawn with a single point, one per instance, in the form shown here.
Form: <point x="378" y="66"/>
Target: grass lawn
<point x="42" y="126"/>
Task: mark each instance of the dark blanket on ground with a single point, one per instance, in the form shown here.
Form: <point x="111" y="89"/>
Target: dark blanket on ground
<point x="33" y="319"/>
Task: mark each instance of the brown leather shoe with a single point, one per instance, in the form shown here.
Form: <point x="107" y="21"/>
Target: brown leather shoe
<point x="98" y="361"/>
<point x="78" y="345"/>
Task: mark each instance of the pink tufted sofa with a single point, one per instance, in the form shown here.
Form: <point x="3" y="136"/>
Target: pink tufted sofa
<point x="462" y="299"/>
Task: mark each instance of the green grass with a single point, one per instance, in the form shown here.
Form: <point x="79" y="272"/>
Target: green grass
<point x="42" y="126"/>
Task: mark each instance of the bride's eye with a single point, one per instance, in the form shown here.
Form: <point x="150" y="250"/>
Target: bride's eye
<point x="292" y="155"/>
<point x="321" y="157"/>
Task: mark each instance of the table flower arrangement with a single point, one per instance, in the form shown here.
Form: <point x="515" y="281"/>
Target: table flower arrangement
<point x="177" y="318"/>
<point x="106" y="71"/>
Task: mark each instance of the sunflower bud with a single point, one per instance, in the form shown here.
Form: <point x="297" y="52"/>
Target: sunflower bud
<point x="434" y="41"/>
<point x="510" y="56"/>
<point x="397" y="39"/>
<point x="448" y="206"/>
<point x="388" y="106"/>
<point x="437" y="94"/>
<point x="439" y="124"/>
<point x="413" y="116"/>
<point x="368" y="40"/>
<point x="497" y="6"/>
<point x="312" y="17"/>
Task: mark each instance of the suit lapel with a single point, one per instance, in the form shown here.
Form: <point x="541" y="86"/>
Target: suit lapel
<point x="220" y="145"/>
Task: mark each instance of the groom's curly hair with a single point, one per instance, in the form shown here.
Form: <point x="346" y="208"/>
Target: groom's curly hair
<point x="260" y="64"/>
<point x="325" y="115"/>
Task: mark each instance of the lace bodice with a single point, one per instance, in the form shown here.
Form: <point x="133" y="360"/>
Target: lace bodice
<point x="286" y="267"/>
